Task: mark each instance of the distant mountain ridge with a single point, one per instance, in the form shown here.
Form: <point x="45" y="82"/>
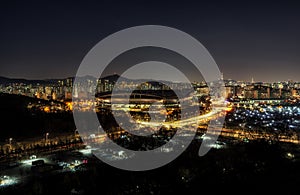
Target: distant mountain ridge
<point x="6" y="80"/>
<point x="112" y="78"/>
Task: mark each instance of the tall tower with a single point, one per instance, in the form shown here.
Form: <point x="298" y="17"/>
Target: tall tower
<point x="252" y="80"/>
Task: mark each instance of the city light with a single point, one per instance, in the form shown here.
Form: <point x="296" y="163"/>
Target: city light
<point x="7" y="181"/>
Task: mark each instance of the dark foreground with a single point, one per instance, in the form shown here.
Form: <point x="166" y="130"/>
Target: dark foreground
<point x="240" y="168"/>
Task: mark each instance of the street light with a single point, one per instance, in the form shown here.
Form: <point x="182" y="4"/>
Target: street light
<point x="10" y="146"/>
<point x="47" y="134"/>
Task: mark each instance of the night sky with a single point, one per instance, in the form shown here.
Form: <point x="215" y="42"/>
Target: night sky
<point x="48" y="40"/>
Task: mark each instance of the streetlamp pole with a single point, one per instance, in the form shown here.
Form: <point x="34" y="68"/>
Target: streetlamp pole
<point x="47" y="134"/>
<point x="99" y="127"/>
<point x="10" y="146"/>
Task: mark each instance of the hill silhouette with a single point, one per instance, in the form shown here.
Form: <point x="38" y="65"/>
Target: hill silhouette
<point x="19" y="122"/>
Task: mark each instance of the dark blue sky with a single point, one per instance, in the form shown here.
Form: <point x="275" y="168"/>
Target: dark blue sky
<point x="48" y="40"/>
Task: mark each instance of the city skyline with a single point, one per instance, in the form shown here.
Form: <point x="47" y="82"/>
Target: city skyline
<point x="257" y="39"/>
